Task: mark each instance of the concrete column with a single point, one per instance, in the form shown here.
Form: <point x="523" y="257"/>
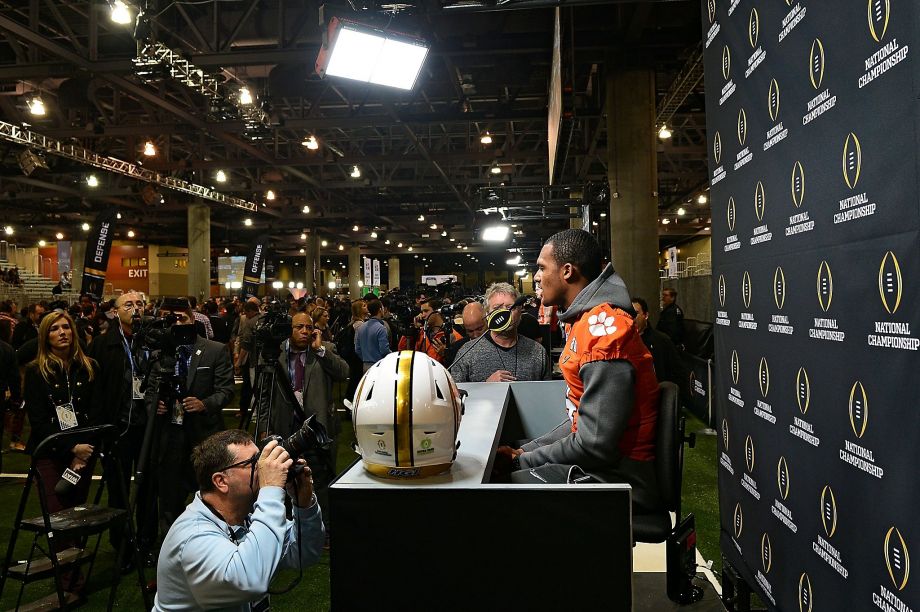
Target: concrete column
<point x="633" y="174"/>
<point x="311" y="265"/>
<point x="355" y="272"/>
<point x="392" y="273"/>
<point x="199" y="251"/>
<point x="77" y="254"/>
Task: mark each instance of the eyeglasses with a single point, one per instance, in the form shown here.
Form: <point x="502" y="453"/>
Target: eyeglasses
<point x="245" y="463"/>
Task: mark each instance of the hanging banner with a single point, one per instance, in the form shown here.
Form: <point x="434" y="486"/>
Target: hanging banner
<point x="376" y="277"/>
<point x="98" y="247"/>
<point x="255" y="260"/>
<point x="812" y="140"/>
<point x="367" y="271"/>
<point x="64" y="254"/>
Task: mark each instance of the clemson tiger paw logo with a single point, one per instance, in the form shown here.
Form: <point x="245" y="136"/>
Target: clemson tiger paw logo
<point x="601" y="325"/>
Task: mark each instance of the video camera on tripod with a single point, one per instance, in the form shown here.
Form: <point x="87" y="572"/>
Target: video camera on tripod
<point x="273" y="328"/>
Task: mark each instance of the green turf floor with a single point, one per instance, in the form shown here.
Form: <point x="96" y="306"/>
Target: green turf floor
<point x="700" y="497"/>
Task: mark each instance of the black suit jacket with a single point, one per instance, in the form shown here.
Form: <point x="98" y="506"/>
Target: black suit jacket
<point x="210" y="379"/>
<point x="113" y="380"/>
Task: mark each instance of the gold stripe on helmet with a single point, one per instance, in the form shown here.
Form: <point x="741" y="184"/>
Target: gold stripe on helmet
<point x="404" y="409"/>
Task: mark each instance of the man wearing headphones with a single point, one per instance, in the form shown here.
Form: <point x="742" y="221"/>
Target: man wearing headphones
<point x="612" y="393"/>
<point x="502" y="356"/>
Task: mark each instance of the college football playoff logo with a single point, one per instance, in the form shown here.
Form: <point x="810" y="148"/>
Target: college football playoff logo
<point x="773" y="100"/>
<point x="779" y="288"/>
<point x="746" y="289"/>
<point x="828" y="511"/>
<point x="749" y="454"/>
<point x="852" y="160"/>
<point x="879" y="12"/>
<point x="816" y="63"/>
<point x="742" y="127"/>
<point x="897" y="558"/>
<point x="763" y="377"/>
<point x="721" y="291"/>
<point x="725" y="434"/>
<point x="726" y="62"/>
<point x="889" y="282"/>
<point x="738" y="521"/>
<point x="730" y="214"/>
<point x="711" y="8"/>
<point x="760" y="201"/>
<point x="805" y="596"/>
<point x="859" y="409"/>
<point x="825" y="285"/>
<point x="754" y="28"/>
<point x="766" y="553"/>
<point x="802" y="390"/>
<point x="717" y="148"/>
<point x="798" y="184"/>
<point x="782" y="477"/>
<point x="736" y="368"/>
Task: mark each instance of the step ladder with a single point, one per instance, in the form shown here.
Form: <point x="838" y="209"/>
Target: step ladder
<point x="75" y="525"/>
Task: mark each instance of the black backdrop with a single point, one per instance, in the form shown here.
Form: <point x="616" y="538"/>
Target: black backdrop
<point x="812" y="119"/>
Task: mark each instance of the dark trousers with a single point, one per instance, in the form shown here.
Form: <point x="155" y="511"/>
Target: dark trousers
<point x="127" y="454"/>
<point x="50" y="471"/>
<point x="175" y="475"/>
<point x="245" y="391"/>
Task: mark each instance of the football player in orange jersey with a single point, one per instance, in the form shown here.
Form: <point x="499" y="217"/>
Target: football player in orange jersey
<point x="611" y="400"/>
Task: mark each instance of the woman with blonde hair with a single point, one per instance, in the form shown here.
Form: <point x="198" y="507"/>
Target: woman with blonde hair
<point x="57" y="393"/>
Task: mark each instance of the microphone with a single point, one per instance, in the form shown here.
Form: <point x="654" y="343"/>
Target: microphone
<point x="68" y="481"/>
<point x="496" y="321"/>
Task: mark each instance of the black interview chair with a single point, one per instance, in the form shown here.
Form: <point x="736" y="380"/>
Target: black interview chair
<point x="656" y="526"/>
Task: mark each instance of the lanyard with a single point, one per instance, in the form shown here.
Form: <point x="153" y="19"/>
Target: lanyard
<point x="127" y="347"/>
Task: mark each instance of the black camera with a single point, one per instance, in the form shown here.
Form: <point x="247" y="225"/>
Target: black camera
<point x="272" y="329"/>
<point x="311" y="441"/>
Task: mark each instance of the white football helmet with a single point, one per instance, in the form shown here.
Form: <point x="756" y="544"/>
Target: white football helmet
<point x="406" y="415"/>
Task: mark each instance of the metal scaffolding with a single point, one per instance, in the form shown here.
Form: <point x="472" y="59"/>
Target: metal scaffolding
<point x="28" y="138"/>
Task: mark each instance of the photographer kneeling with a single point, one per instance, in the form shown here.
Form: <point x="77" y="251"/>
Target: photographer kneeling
<point x="224" y="550"/>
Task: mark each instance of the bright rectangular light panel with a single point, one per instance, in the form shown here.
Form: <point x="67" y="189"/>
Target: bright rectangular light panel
<point x="495" y="233"/>
<point x="376" y="59"/>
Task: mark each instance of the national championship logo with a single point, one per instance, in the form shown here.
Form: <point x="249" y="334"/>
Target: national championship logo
<point x="760" y="201"/>
<point x="730" y="214"/>
<point x="721" y="291"/>
<point x="897" y="558"/>
<point x="879" y="13"/>
<point x="766" y="553"/>
<point x="805" y="595"/>
<point x="859" y="409"/>
<point x="779" y="288"/>
<point x="802" y="390"/>
<point x="736" y="368"/>
<point x="738" y="520"/>
<point x="816" y="63"/>
<point x="742" y="127"/>
<point x="717" y="148"/>
<point x="828" y="511"/>
<point x="726" y="62"/>
<point x="852" y="160"/>
<point x="825" y="285"/>
<point x="890" y="284"/>
<point x="763" y="377"/>
<point x="782" y="477"/>
<point x="725" y="434"/>
<point x="773" y="100"/>
<point x="798" y="184"/>
<point x="711" y="8"/>
<point x="754" y="28"/>
<point x="746" y="289"/>
<point x="749" y="454"/>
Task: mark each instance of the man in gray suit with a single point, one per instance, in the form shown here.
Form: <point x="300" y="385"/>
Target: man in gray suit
<point x="306" y="369"/>
<point x="190" y="383"/>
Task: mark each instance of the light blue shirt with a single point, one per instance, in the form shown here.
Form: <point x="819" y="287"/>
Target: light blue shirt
<point x="201" y="568"/>
<point x="371" y="341"/>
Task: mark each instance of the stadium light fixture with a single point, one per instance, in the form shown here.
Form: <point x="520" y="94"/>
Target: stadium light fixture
<point x="149" y="149"/>
<point x="363" y="53"/>
<point x="120" y="13"/>
<point x="495" y="233"/>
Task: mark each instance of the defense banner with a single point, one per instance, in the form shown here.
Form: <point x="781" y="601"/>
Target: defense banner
<point x="812" y="112"/>
<point x="255" y="260"/>
<point x="98" y="247"/>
